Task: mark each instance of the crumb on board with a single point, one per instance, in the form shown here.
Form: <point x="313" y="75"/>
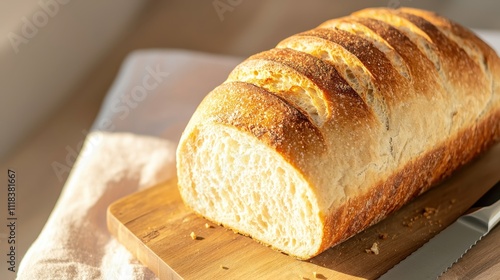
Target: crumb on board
<point x="429" y="212"/>
<point x="426" y="213"/>
<point x="193" y="235"/>
<point x="224" y="267"/>
<point x="383" y="236"/>
<point x="452" y="202"/>
<point x="374" y="249"/>
<point x="207" y="225"/>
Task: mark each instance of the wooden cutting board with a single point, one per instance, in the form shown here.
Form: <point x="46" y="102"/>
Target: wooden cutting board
<point x="156" y="227"/>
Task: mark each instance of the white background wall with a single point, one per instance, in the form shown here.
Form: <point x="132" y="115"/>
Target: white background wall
<point x="43" y="60"/>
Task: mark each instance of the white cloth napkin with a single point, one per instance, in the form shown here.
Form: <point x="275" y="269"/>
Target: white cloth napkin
<point x="154" y="94"/>
<point x="75" y="243"/>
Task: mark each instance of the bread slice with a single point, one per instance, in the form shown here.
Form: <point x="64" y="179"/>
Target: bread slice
<point x="309" y="143"/>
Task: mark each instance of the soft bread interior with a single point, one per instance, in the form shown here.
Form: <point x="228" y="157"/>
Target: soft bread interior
<point x="279" y="209"/>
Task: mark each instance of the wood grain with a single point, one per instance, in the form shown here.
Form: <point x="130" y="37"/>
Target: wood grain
<point x="155" y="226"/>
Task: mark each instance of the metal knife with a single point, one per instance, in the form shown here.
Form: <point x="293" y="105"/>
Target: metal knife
<point x="447" y="247"/>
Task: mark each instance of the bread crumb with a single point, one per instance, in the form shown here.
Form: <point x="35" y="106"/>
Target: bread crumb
<point x="373" y="250"/>
<point x="426" y="212"/>
<point x="193" y="235"/>
<point x="429" y="211"/>
<point x="207" y="225"/>
<point x="383" y="236"/>
<point x="452" y="201"/>
<point x="224" y="267"/>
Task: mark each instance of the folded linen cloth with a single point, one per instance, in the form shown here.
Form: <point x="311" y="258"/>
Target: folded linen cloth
<point x="75" y="242"/>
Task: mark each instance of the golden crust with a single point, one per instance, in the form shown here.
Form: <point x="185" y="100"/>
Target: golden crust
<point x="420" y="68"/>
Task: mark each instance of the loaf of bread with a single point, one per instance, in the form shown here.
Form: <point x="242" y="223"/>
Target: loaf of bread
<point x="309" y="143"/>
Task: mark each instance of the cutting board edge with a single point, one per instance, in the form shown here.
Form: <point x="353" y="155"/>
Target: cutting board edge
<point x="124" y="235"/>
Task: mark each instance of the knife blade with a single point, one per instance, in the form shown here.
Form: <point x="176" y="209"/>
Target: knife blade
<point x="447" y="247"/>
